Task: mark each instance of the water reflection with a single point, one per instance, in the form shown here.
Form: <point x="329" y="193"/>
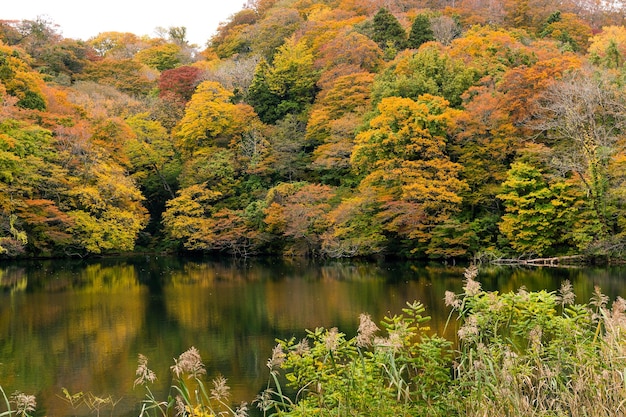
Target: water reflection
<point x="80" y="325"/>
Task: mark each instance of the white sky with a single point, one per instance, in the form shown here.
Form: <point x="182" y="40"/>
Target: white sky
<point x="80" y="19"/>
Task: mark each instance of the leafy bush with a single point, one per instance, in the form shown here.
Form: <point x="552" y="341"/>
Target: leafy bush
<point x="402" y="374"/>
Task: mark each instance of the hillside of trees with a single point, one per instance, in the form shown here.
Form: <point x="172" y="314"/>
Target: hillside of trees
<point x="335" y="128"/>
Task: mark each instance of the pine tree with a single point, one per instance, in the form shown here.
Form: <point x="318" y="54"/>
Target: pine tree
<point x="387" y="31"/>
<point x="260" y="95"/>
<point x="421" y="32"/>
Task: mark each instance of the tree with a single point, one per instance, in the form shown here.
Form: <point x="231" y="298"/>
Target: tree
<point x="485" y="143"/>
<point x="569" y="29"/>
<point x="403" y="156"/>
<point x="278" y="25"/>
<point x="539" y="216"/>
<point x="46" y="227"/>
<point x="161" y="57"/>
<point x="105" y="209"/>
<point x="235" y="74"/>
<point x="350" y="48"/>
<point x="524" y="86"/>
<point x="31" y="182"/>
<point x="213" y="167"/>
<point x="296" y="212"/>
<point x="126" y="75"/>
<point x="334" y="120"/>
<point x="355" y="229"/>
<point x="445" y="29"/>
<point x="110" y="135"/>
<point x="585" y="117"/>
<point x="430" y="70"/>
<point x="65" y="59"/>
<point x="492" y="51"/>
<point x="19" y="80"/>
<point x="479" y="12"/>
<point x="153" y="158"/>
<point x="187" y="216"/>
<point x="177" y="35"/>
<point x="260" y="95"/>
<point x="117" y="45"/>
<point x="65" y="196"/>
<point x="35" y="36"/>
<point x="194" y="219"/>
<point x="608" y="48"/>
<point x="287" y="158"/>
<point x="527" y="14"/>
<point x="208" y="116"/>
<point x="421" y="32"/>
<point x="387" y="31"/>
<point x="179" y="83"/>
<point x="231" y="36"/>
<point x="288" y="86"/>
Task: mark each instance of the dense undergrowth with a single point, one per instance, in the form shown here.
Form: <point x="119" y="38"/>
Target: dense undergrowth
<point x="516" y="354"/>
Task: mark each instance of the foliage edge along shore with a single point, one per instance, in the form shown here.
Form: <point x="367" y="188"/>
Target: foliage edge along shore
<point x="332" y="128"/>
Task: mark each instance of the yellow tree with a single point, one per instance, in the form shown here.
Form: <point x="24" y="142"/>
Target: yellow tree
<point x="608" y="48"/>
<point x="19" y="80"/>
<point x="403" y="155"/>
<point x="195" y="219"/>
<point x="335" y="117"/>
<point x="209" y="116"/>
<point x="117" y="45"/>
<point x="161" y="57"/>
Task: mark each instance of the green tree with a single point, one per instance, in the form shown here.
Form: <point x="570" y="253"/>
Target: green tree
<point x="539" y="217"/>
<point x="31" y="180"/>
<point x="260" y="95"/>
<point x="420" y="32"/>
<point x="20" y="80"/>
<point x="286" y="158"/>
<point x="355" y="227"/>
<point x="429" y="70"/>
<point x="387" y="31"/>
<point x="288" y="86"/>
<point x="155" y="163"/>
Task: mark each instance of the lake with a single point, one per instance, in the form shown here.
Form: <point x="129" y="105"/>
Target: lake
<point x="80" y="325"/>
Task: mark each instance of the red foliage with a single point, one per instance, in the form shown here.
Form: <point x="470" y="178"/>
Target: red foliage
<point x="179" y="83"/>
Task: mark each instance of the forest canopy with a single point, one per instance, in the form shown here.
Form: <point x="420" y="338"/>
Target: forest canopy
<point x="330" y="128"/>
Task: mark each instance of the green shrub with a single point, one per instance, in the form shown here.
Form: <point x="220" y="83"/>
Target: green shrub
<point x="403" y="374"/>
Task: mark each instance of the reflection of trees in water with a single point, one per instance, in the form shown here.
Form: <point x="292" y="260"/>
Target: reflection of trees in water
<point x="73" y="328"/>
<point x="13" y="279"/>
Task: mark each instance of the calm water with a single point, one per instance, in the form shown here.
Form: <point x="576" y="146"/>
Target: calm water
<point x="81" y="325"/>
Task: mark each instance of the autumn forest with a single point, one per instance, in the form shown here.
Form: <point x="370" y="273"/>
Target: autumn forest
<point x="429" y="129"/>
